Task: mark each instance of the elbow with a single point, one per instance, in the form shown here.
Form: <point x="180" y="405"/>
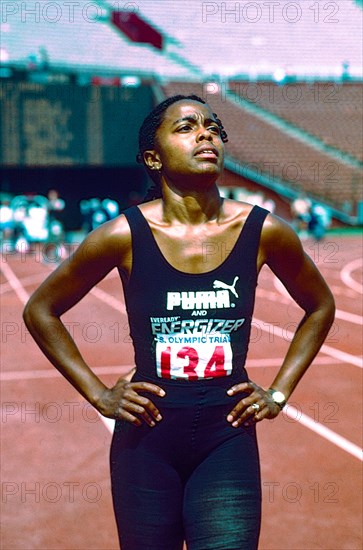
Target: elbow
<point x="28" y="313"/>
<point x="32" y="313"/>
<point x="333" y="308"/>
<point x="329" y="310"/>
<point x="38" y="313"/>
<point x="323" y="311"/>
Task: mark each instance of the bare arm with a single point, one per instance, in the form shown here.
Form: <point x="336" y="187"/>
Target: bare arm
<point x="287" y="259"/>
<point x="282" y="251"/>
<point x="107" y="247"/>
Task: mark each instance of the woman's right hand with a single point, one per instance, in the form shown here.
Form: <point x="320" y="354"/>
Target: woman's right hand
<point x="124" y="401"/>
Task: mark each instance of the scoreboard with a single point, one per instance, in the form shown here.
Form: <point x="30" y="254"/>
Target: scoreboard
<point x="70" y="125"/>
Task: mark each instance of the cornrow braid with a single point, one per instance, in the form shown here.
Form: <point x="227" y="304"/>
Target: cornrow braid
<point x="147" y="135"/>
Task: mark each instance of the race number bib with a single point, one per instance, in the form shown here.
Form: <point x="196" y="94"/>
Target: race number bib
<point x="193" y="357"/>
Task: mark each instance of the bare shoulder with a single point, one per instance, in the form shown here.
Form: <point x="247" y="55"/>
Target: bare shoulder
<point x="233" y="208"/>
<point x="277" y="236"/>
<point x="103" y="249"/>
<point x="109" y="239"/>
<point x="275" y="228"/>
<point x="282" y="250"/>
<point x="280" y="243"/>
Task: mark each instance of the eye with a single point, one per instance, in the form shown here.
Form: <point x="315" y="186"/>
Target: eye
<point x="215" y="129"/>
<point x="184" y="128"/>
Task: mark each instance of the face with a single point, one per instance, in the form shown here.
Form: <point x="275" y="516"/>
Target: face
<point x="188" y="143"/>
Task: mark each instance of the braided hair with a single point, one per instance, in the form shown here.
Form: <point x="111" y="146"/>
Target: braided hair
<point x="147" y="135"/>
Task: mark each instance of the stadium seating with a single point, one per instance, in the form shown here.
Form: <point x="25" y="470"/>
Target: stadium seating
<point x="247" y="48"/>
<point x="256" y="143"/>
<point x="331" y="111"/>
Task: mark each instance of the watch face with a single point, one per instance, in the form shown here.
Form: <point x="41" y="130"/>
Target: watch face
<point x="278" y="397"/>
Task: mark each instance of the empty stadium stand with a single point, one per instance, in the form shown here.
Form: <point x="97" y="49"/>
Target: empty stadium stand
<point x="270" y="152"/>
<point x="331" y="111"/>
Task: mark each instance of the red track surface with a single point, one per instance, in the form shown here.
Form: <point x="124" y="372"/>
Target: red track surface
<point x="55" y="478"/>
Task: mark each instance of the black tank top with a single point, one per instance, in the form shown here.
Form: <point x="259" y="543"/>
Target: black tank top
<point x="191" y="328"/>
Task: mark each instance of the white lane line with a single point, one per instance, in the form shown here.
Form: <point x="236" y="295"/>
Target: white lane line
<point x="116" y="303"/>
<point x="277" y="362"/>
<point x="339" y="314"/>
<point x="36" y="374"/>
<point x="350" y="317"/>
<point x="25" y="281"/>
<point x="23" y="297"/>
<point x="108" y="422"/>
<point x="14" y="283"/>
<point x="324" y="432"/>
<point x="10" y="376"/>
<point x="298" y="416"/>
<point x="328" y="350"/>
<point x="342" y="356"/>
<point x="346" y="275"/>
<point x="289" y="410"/>
<point x="110" y="300"/>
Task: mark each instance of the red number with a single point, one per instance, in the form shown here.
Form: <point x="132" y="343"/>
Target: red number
<point x="192" y="355"/>
<point x="165" y="363"/>
<point x="171" y="367"/>
<point x="215" y="366"/>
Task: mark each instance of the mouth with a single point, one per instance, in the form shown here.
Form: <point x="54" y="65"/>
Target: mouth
<point x="207" y="152"/>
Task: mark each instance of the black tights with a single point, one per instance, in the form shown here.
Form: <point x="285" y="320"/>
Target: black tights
<point x="192" y="478"/>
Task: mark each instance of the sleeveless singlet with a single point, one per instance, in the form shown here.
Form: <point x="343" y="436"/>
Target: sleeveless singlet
<point x="191" y="328"/>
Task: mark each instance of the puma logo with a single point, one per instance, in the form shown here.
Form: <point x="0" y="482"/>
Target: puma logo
<point x="219" y="298"/>
<point x="221" y="284"/>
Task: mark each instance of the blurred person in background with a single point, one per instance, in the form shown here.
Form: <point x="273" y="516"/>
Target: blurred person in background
<point x="55" y="250"/>
<point x="6" y="221"/>
<point x="56" y="205"/>
<point x="30" y="221"/>
<point x="300" y="210"/>
<point x="95" y="212"/>
<point x="319" y="221"/>
<point x="184" y="455"/>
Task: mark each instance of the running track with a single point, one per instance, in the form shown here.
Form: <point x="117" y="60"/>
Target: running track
<point x="55" y="481"/>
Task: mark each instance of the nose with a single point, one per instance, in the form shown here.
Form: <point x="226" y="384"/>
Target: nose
<point x="204" y="133"/>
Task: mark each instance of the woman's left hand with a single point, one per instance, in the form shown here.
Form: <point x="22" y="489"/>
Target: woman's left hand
<point x="252" y="408"/>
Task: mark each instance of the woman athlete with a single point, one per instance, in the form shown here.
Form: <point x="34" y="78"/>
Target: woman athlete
<point x="184" y="457"/>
